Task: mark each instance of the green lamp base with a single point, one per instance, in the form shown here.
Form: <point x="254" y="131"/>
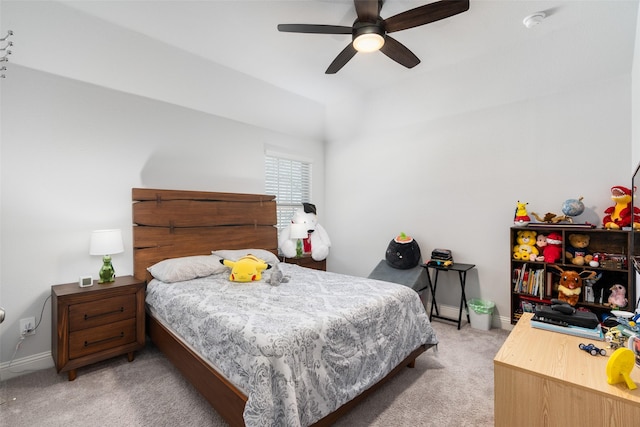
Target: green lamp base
<point x="299" y="248"/>
<point x="107" y="273"/>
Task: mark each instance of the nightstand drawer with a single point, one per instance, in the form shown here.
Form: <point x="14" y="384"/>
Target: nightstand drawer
<point x="89" y="341"/>
<point x="101" y="312"/>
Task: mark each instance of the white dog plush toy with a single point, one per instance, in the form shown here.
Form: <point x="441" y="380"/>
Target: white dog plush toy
<point x="317" y="242"/>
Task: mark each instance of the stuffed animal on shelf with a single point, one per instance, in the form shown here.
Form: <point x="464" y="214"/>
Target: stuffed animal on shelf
<point x="620" y="215"/>
<point x="576" y="251"/>
<point x="551" y="218"/>
<point x="521" y="218"/>
<point x="553" y="250"/>
<point x="541" y="244"/>
<point x="590" y="290"/>
<point x="570" y="284"/>
<point x="316" y="243"/>
<point x="618" y="298"/>
<point x="246" y="269"/>
<point x="525" y="249"/>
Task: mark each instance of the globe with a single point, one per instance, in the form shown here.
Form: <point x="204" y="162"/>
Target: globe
<point x="573" y="207"/>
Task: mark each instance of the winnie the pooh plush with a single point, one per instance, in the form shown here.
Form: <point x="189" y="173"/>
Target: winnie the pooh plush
<point x="525" y="249"/>
<point x="576" y="251"/>
<point x="316" y="243"/>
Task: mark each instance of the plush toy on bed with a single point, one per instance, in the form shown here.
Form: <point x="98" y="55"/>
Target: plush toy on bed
<point x="316" y="243"/>
<point x="246" y="269"/>
<point x="277" y="276"/>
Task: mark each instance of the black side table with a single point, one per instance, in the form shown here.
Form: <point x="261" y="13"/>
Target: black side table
<point x="462" y="272"/>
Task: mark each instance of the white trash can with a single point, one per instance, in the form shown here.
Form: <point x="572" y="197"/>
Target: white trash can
<point x="481" y="313"/>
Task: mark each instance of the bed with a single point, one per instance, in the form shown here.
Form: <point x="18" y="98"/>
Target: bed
<point x="309" y="370"/>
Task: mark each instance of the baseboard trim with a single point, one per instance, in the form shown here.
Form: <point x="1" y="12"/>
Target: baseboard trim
<point x="498" y="322"/>
<point x="25" y="365"/>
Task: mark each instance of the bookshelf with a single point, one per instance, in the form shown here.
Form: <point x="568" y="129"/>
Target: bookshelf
<point x="535" y="282"/>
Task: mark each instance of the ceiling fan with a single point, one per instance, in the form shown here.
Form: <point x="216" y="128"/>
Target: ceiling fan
<point x="370" y="32"/>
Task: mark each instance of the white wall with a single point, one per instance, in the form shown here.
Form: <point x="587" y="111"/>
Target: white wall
<point x="635" y="100"/>
<point x="72" y="151"/>
<point x="453" y="180"/>
<point x="61" y="40"/>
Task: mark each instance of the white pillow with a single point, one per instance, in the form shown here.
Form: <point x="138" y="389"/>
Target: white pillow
<point x="186" y="268"/>
<point x="236" y="254"/>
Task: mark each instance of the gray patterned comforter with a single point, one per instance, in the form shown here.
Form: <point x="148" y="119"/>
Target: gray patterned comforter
<point x="299" y="350"/>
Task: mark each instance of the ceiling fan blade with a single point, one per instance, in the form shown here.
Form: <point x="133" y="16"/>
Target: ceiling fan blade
<point x="342" y="58"/>
<point x="367" y="10"/>
<point x="314" y="29"/>
<point x="425" y="14"/>
<point x="399" y="52"/>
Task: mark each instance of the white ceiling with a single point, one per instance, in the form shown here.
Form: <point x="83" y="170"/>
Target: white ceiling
<point x="586" y="39"/>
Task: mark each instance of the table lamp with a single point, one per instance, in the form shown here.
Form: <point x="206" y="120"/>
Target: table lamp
<point x="299" y="232"/>
<point x="106" y="243"/>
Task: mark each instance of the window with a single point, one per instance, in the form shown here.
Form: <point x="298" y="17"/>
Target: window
<point x="290" y="181"/>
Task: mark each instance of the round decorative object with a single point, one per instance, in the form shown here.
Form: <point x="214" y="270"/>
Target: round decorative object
<point x="403" y="252"/>
<point x="619" y="368"/>
<point x="573" y="207"/>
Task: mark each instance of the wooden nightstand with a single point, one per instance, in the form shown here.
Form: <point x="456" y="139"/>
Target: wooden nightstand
<point x="96" y="323"/>
<point x="307" y="261"/>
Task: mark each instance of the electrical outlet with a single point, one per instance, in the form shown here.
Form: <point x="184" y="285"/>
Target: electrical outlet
<point x="28" y="326"/>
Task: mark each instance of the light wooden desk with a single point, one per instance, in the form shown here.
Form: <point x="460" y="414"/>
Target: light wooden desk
<point x="542" y="378"/>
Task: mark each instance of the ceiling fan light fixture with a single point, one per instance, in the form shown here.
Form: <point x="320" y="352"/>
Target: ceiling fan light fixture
<point x="369" y="30"/>
<point x="368" y="42"/>
<point x="368" y="38"/>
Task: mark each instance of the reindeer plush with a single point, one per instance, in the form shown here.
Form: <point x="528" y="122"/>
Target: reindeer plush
<point x="570" y="284"/>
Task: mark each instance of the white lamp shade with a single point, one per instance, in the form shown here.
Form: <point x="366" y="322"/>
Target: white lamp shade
<point x="299" y="231"/>
<point x="106" y="242"/>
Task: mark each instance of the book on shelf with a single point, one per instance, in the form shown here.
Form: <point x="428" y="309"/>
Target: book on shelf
<point x="549" y="283"/>
<point x="527" y="280"/>
<point x="595" y="333"/>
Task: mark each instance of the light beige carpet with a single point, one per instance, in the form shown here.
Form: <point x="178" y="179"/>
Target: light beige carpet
<point x="452" y="386"/>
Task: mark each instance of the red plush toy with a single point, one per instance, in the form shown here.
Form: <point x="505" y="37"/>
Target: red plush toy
<point x="553" y="251"/>
<point x="620" y="215"/>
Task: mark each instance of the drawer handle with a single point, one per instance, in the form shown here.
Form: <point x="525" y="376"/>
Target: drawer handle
<point x="87" y="317"/>
<point x="87" y="343"/>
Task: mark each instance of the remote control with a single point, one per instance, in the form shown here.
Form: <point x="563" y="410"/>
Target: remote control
<point x="563" y="308"/>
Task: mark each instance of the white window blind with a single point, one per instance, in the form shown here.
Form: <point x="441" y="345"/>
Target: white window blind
<point x="290" y="181"/>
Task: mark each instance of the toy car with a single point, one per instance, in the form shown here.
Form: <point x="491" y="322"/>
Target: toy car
<point x="592" y="349"/>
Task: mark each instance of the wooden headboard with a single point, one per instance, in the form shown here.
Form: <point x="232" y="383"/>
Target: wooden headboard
<point x="175" y="223"/>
